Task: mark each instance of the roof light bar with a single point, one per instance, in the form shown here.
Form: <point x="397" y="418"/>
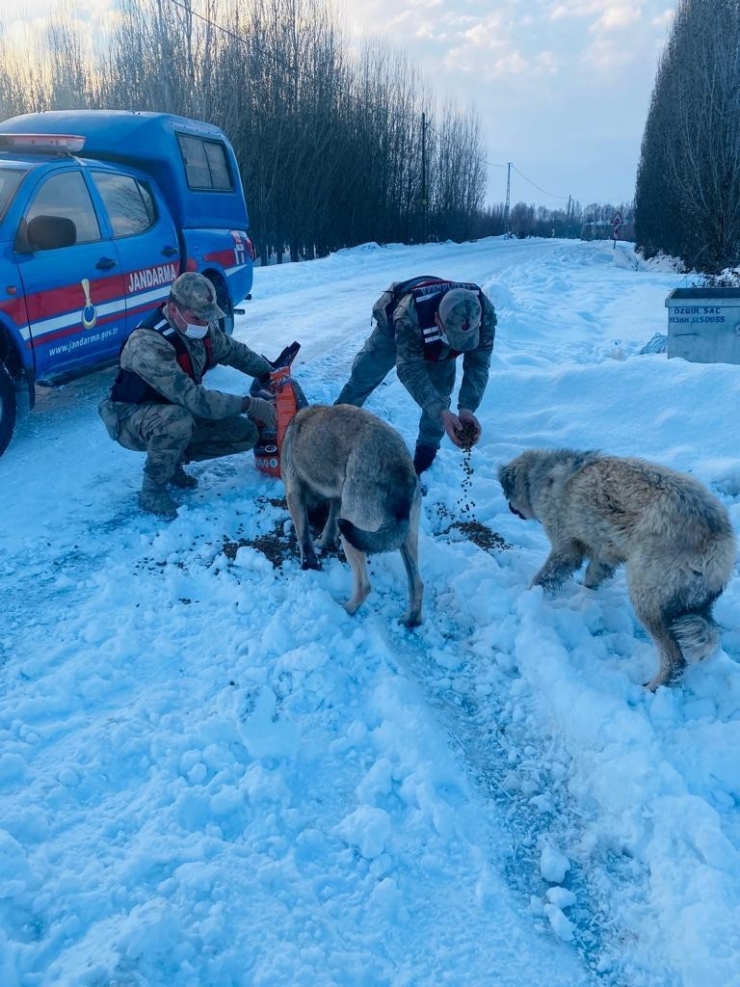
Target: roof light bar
<point x="59" y="143"/>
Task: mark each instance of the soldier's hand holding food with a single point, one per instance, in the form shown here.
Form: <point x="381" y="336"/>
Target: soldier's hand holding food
<point x="470" y="428"/>
<point x="260" y="410"/>
<point x="463" y="429"/>
<point x="452" y="426"/>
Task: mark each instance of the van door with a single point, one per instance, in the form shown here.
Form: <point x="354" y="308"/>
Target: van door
<point x="71" y="276"/>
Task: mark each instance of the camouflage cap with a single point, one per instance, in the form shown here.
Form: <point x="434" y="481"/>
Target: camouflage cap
<point x="196" y="293"/>
<point x="460" y="315"/>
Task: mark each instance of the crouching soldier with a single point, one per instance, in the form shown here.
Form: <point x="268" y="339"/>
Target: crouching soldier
<point x="158" y="404"/>
<point x="421" y="327"/>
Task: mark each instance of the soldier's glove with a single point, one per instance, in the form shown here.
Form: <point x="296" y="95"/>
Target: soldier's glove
<point x="260" y="392"/>
<point x="260" y="410"/>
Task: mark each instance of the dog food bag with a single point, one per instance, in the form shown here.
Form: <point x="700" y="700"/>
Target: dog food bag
<point x="288" y="399"/>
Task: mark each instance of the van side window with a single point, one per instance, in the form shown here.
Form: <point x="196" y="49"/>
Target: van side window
<point x="9" y="181"/>
<point x="66" y="196"/>
<point x="128" y="202"/>
<point x="206" y="164"/>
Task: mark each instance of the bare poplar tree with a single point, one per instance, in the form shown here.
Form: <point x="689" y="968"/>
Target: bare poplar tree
<point x="23" y="87"/>
<point x="458" y="184"/>
<point x="688" y="188"/>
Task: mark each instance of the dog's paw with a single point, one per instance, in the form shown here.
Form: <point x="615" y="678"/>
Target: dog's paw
<point x="323" y="547"/>
<point x="311" y="564"/>
<point x="411" y="620"/>
<point x="549" y="584"/>
<point x="666" y="678"/>
<point x="654" y="683"/>
<point x="597" y="573"/>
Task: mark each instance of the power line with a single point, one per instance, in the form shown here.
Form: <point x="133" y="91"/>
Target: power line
<point x="224" y="30"/>
<point x="496" y="164"/>
<point x="551" y="194"/>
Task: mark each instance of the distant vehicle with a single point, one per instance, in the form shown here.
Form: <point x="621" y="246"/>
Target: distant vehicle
<point x="100" y="210"/>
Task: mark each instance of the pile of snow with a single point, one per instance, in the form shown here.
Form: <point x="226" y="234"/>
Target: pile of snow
<point x="212" y="775"/>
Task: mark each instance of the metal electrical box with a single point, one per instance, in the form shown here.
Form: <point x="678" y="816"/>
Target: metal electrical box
<point x="704" y="324"/>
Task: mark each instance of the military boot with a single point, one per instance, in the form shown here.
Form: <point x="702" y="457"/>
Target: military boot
<point x="424" y="456"/>
<point x="182" y="479"/>
<point x="154" y="499"/>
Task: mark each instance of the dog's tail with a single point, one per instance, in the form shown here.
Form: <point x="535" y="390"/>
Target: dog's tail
<point x="387" y="538"/>
<point x="697" y="635"/>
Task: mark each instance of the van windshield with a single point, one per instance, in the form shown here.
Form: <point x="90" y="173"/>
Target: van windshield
<point x="10" y="179"/>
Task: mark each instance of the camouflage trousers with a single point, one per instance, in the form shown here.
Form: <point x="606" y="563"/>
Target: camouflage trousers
<point x="372" y="365"/>
<point x="169" y="435"/>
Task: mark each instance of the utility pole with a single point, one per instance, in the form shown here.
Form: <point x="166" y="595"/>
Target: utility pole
<point x="508" y="199"/>
<point x="423" y="178"/>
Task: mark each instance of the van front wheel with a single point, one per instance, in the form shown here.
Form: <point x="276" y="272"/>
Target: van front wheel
<point x="8" y="407"/>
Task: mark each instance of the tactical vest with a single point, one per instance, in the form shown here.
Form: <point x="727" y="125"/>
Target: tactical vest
<point x="427" y="292"/>
<point x="130" y="388"/>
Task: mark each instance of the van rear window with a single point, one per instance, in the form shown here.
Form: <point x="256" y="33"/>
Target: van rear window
<point x="206" y="164"/>
<point x="129" y="203"/>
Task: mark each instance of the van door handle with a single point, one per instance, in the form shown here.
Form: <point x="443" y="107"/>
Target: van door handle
<point x="169" y="251"/>
<point x="105" y="264"/>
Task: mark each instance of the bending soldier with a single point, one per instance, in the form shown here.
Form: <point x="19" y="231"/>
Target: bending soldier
<point x="421" y="327"/>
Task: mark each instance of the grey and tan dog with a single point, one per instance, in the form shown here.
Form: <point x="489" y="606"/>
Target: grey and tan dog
<point x="357" y="463"/>
<point x="673" y="534"/>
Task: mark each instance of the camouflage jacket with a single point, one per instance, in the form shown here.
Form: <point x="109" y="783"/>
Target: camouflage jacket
<point x="412" y="368"/>
<point x="154" y="359"/>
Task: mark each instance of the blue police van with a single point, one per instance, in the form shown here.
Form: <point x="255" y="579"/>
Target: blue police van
<point x="100" y="210"/>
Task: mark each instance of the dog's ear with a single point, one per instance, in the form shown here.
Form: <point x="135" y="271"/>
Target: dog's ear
<point x="507" y="479"/>
<point x="514" y="479"/>
<point x="580" y="459"/>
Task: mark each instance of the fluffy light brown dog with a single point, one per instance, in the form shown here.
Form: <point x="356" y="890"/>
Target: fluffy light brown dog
<point x="673" y="534"/>
<point x="359" y="465"/>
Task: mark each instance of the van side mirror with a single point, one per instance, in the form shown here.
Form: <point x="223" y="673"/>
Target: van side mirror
<point x="45" y="233"/>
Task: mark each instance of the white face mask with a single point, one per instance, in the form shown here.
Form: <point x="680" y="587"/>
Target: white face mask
<point x="187" y="328"/>
<point x="194" y="332"/>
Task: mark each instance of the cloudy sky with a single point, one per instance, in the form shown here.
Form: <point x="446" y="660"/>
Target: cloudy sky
<point x="561" y="87"/>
